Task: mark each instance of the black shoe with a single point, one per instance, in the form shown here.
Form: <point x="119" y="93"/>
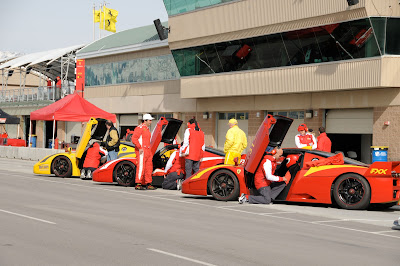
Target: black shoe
<point x="150" y="187"/>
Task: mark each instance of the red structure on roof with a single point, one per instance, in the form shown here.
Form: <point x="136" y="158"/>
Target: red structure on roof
<point x="71" y="108"/>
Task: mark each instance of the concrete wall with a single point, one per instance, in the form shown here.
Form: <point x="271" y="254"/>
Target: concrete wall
<point x="33" y="154"/>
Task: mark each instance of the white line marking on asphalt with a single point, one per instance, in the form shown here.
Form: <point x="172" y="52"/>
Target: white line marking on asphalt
<point x="29" y="217"/>
<point x="201" y="204"/>
<point x="181" y="257"/>
<point x="351" y="220"/>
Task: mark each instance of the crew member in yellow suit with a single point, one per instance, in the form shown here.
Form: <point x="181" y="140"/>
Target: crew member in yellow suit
<point x="235" y="142"/>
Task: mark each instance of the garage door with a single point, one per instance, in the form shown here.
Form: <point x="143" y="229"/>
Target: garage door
<point x="223" y="118"/>
<point x="128" y="120"/>
<point x="349" y="121"/>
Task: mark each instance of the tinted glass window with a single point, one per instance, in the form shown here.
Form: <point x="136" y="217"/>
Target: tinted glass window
<point x="174" y="7"/>
<point x="334" y="42"/>
<point x="379" y="25"/>
<point x="137" y="70"/>
<point x="393" y="36"/>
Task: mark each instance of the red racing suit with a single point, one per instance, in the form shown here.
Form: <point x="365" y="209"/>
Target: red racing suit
<point x="324" y="143"/>
<point x="175" y="164"/>
<point x="306" y="140"/>
<point x="93" y="156"/>
<point x="265" y="173"/>
<point x="141" y="138"/>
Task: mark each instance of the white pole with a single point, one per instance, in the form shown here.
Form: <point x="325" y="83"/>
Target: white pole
<point x="30" y="133"/>
<point x="94" y="9"/>
<point x="101" y="15"/>
<point x="54" y="128"/>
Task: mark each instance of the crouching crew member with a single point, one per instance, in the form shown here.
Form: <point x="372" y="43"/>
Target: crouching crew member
<point x="141" y="138"/>
<point x="174" y="171"/>
<point x="305" y="139"/>
<point x="235" y="142"/>
<point x="193" y="147"/>
<point x="92" y="160"/>
<point x="268" y="185"/>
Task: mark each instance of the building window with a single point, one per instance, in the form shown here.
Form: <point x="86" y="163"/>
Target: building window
<point x="175" y="7"/>
<point x="290" y="114"/>
<point x="237" y="116"/>
<point x="334" y="42"/>
<point x="137" y="70"/>
<point x="158" y="116"/>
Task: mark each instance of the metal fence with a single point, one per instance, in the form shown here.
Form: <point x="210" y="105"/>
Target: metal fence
<point x="35" y="94"/>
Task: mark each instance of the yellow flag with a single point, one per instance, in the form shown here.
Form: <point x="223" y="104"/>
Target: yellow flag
<point x="110" y="14"/>
<point x="96" y="16"/>
<point x="102" y="19"/>
<point x="110" y="25"/>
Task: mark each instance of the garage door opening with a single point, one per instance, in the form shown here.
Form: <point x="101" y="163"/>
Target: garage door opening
<point x="355" y="146"/>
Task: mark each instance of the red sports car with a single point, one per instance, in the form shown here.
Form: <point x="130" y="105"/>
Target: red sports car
<point x="313" y="176"/>
<point x="123" y="170"/>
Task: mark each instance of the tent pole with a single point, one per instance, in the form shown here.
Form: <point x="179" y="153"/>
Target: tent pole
<point x="30" y="133"/>
<point x="54" y="128"/>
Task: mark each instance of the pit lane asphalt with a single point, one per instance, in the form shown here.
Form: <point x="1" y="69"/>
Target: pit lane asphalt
<point x="53" y="221"/>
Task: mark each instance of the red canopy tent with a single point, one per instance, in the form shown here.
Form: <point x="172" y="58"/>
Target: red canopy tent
<point x="71" y="108"/>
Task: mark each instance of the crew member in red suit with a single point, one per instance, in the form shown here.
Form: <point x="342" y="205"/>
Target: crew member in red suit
<point x="174" y="171"/>
<point x="193" y="147"/>
<point x="324" y="143"/>
<point x="268" y="185"/>
<point x="92" y="160"/>
<point x="141" y="138"/>
<point x="58" y="88"/>
<point x="304" y="139"/>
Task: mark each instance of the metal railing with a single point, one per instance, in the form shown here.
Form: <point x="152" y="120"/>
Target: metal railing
<point x="35" y="94"/>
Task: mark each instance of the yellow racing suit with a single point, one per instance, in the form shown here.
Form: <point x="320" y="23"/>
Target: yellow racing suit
<point x="235" y="143"/>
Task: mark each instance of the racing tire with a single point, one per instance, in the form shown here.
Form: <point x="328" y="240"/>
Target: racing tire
<point x="224" y="185"/>
<point x="352" y="192"/>
<point x="124" y="173"/>
<point x="61" y="166"/>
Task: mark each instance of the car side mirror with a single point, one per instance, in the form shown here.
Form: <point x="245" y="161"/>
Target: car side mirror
<point x="236" y="161"/>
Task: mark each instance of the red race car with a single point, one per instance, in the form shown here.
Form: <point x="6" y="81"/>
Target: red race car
<point x="123" y="170"/>
<point x="313" y="176"/>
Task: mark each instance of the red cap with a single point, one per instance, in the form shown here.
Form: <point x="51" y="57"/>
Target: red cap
<point x="302" y="127"/>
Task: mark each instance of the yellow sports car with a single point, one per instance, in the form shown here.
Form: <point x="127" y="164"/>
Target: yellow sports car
<point x="70" y="163"/>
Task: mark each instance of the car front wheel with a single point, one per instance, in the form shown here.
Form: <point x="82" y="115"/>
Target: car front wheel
<point x="62" y="166"/>
<point x="352" y="192"/>
<point x="125" y="173"/>
<point x="224" y="185"/>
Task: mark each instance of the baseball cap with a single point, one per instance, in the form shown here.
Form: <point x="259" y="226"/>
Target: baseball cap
<point x="233" y="121"/>
<point x="147" y="117"/>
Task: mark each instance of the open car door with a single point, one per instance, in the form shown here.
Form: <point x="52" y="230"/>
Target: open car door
<point x="165" y="131"/>
<point x="269" y="135"/>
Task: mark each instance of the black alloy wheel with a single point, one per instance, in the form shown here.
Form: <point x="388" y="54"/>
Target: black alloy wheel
<point x="352" y="192"/>
<point x="61" y="166"/>
<point x="224" y="185"/>
<point x="125" y="173"/>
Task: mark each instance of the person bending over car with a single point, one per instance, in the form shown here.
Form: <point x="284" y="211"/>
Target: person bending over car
<point x="235" y="142"/>
<point x="174" y="171"/>
<point x="268" y="185"/>
<point x="92" y="159"/>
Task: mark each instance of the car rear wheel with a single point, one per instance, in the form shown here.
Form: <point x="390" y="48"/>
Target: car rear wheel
<point x="352" y="192"/>
<point x="124" y="173"/>
<point x="61" y="166"/>
<point x="224" y="185"/>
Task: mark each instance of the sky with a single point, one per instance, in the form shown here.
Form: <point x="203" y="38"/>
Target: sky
<point x="28" y="26"/>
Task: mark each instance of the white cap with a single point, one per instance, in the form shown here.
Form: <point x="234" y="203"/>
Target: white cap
<point x="147" y="117"/>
